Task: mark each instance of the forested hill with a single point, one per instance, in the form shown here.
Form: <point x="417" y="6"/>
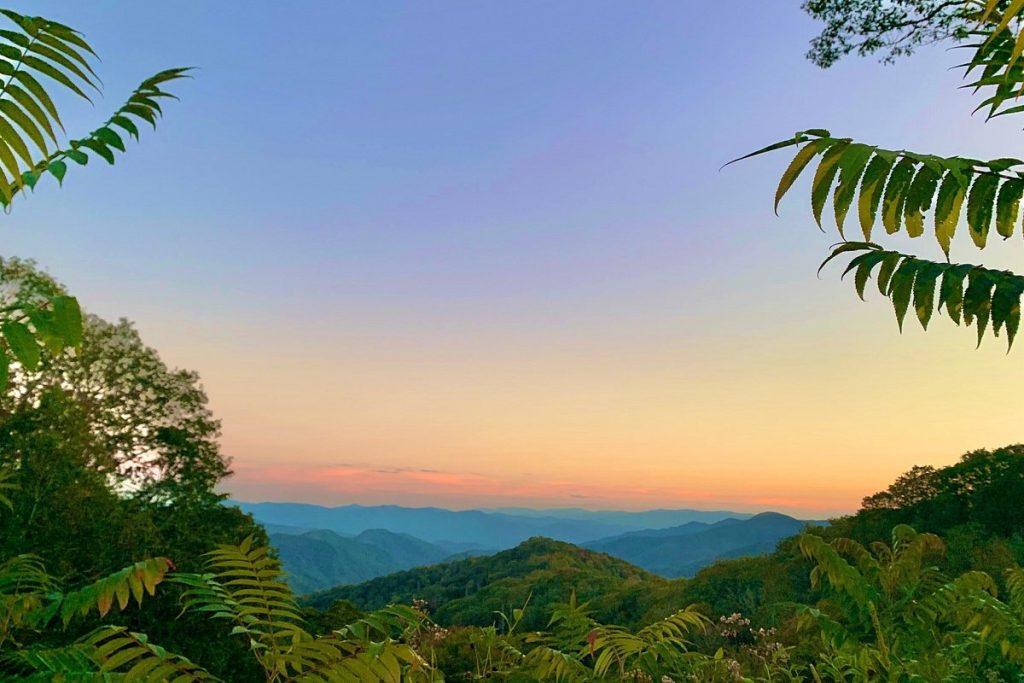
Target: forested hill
<point x="319" y="559"/>
<point x="543" y="571"/>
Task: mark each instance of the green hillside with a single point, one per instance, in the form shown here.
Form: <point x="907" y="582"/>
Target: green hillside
<point x="545" y="572"/>
<point x="319" y="559"/>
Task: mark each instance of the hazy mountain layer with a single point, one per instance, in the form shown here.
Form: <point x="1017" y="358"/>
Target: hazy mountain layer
<point x="685" y="549"/>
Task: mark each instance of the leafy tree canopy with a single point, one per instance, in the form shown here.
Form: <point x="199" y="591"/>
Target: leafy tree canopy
<point x="153" y="429"/>
<point x="893" y="28"/>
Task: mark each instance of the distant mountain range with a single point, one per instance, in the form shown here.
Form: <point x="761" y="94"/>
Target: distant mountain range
<point x="322" y="547"/>
<point x="473" y="530"/>
<point x="685" y="549"/>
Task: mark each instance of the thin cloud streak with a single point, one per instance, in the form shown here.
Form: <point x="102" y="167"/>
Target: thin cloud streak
<point x="349" y="483"/>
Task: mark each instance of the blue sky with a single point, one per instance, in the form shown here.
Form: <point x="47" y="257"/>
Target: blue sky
<point x="492" y="241"/>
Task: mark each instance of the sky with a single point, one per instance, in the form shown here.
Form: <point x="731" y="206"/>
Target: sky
<point x="465" y="253"/>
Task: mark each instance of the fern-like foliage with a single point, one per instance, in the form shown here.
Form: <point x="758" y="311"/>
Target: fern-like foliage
<point x="913" y="192"/>
<point x="31" y="599"/>
<point x="117" y="589"/>
<point x="25" y="588"/>
<point x="132" y="658"/>
<point x="974" y="294"/>
<point x="898" y="188"/>
<point x="598" y="652"/>
<point x="38" y="50"/>
<point x="880" y="587"/>
<point x="245" y="587"/>
<point x="998" y="47"/>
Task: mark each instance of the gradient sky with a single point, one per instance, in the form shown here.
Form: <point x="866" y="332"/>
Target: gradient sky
<point x="481" y="253"/>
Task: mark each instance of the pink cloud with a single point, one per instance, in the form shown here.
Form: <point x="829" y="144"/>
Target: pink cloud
<point x="367" y="484"/>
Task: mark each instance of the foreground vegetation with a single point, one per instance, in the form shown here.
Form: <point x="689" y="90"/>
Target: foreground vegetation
<point x="108" y="456"/>
<point x="825" y="606"/>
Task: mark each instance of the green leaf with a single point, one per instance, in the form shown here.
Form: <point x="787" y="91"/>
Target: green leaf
<point x="9" y="163"/>
<point x="5" y="370"/>
<point x="126" y="124"/>
<point x="865" y="263"/>
<point x="22" y="344"/>
<point x="68" y="318"/>
<point x="871" y="186"/>
<point x="852" y="165"/>
<point x="919" y="199"/>
<point x="924" y="291"/>
<point x="46" y="329"/>
<point x="99" y="148"/>
<point x="889" y="263"/>
<point x="951" y="291"/>
<point x="61" y="60"/>
<point x="797" y="165"/>
<point x="12" y="138"/>
<point x="34" y="87"/>
<point x="823" y="177"/>
<point x="1008" y="205"/>
<point x="54" y="73"/>
<point x="901" y="286"/>
<point x="978" y="299"/>
<point x="980" y="204"/>
<point x="78" y="157"/>
<point x="111" y="138"/>
<point x="844" y="247"/>
<point x="29" y="104"/>
<point x="1006" y="306"/>
<point x="58" y="169"/>
<point x="947" y="209"/>
<point x="895" y="194"/>
<point x="15" y="113"/>
<point x="58" y="44"/>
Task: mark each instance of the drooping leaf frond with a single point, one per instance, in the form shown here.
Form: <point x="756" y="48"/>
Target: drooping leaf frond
<point x="37" y="53"/>
<point x="974" y="294"/>
<point x="843" y="577"/>
<point x="119" y="588"/>
<point x="996" y="64"/>
<point x="36" y="663"/>
<point x="25" y="587"/>
<point x="117" y="650"/>
<point x="898" y="188"/>
<point x="246" y="586"/>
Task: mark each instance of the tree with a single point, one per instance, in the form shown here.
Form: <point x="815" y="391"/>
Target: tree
<point x="893" y="27"/>
<point x="900" y="187"/>
<point x="910" y="488"/>
<point x="154" y="433"/>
